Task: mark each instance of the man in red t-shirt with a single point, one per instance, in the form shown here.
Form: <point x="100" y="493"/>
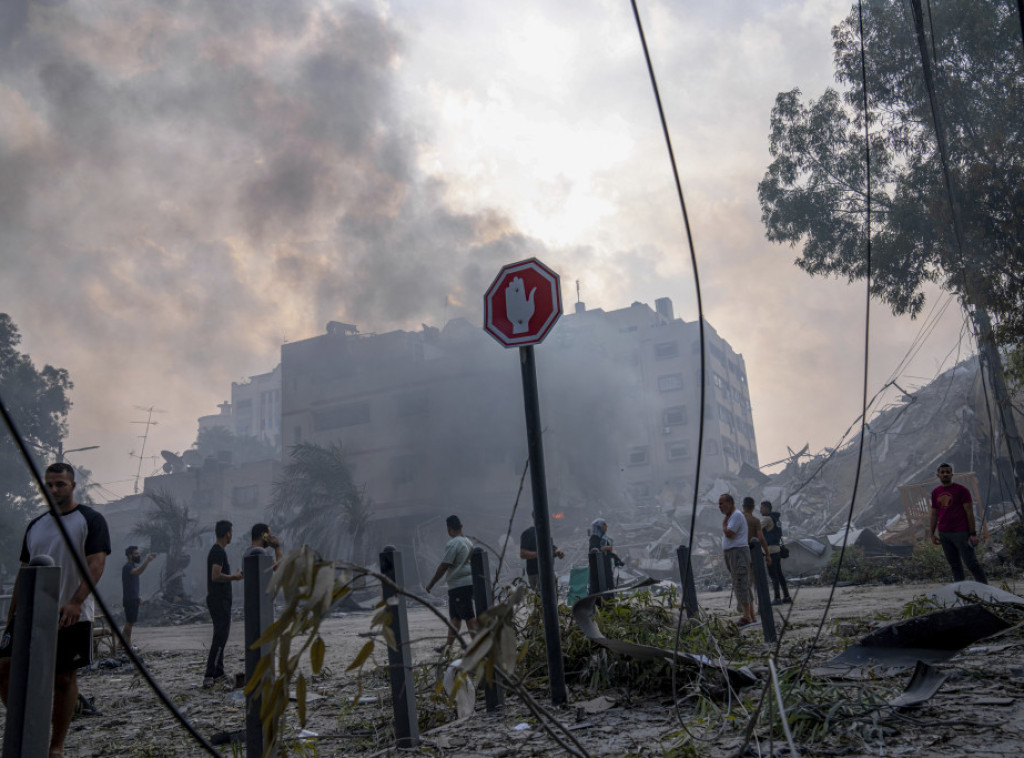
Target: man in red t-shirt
<point x="953" y="515"/>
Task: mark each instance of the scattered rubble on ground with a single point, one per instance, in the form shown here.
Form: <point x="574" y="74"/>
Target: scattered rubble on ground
<point x="980" y="702"/>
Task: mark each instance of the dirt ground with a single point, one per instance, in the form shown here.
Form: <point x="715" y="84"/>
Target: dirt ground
<point x="979" y="710"/>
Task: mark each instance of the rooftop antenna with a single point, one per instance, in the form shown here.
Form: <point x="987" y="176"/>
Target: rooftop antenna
<point x="577" y="290"/>
<point x="148" y="422"/>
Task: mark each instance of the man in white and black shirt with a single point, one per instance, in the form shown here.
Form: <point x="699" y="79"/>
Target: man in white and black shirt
<point x="88" y="532"/>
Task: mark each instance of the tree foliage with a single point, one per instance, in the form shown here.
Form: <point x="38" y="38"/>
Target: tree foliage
<point x="813" y="195"/>
<point x="318" y="502"/>
<point x="169" y="526"/>
<point x="38" y="400"/>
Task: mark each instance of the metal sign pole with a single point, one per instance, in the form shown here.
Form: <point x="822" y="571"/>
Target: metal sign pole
<point x="545" y="558"/>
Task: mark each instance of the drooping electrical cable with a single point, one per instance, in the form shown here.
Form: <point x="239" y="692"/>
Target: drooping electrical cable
<point x="83" y="571"/>
<point x="686" y="578"/>
<point x="867" y="334"/>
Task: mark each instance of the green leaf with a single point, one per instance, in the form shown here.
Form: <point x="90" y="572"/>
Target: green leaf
<point x="316" y="655"/>
<point x="360" y="659"/>
<point x="257" y="675"/>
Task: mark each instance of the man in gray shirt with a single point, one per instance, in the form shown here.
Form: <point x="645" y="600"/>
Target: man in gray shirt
<point x="455" y="563"/>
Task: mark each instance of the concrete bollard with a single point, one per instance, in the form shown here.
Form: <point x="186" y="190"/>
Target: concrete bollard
<point x="494" y="695"/>
<point x="403" y="689"/>
<point x="689" y="587"/>
<point x="257" y="567"/>
<point x="764" y="598"/>
<point x="33" y="660"/>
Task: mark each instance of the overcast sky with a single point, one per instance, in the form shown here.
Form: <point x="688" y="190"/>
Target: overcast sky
<point x="185" y="185"/>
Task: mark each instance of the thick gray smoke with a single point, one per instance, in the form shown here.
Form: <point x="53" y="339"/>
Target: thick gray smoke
<point x="187" y="184"/>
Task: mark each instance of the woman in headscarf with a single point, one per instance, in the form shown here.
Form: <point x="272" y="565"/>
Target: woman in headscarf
<point x="600" y="540"/>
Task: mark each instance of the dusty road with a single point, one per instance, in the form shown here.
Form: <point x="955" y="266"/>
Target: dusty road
<point x="978" y="711"/>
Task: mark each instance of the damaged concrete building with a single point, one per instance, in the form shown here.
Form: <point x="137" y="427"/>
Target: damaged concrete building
<point x="433" y="420"/>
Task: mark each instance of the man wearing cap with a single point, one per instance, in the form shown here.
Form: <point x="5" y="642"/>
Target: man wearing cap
<point x="455" y="563"/>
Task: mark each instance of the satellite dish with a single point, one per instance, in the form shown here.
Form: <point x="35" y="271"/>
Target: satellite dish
<point x="192" y="458"/>
<point x="173" y="462"/>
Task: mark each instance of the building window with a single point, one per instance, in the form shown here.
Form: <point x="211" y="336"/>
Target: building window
<point x="352" y="414"/>
<point x="245" y="497"/>
<point x="675" y="451"/>
<point x="638" y="456"/>
<point x="670" y="382"/>
<point x="675" y="416"/>
<point x="666" y="350"/>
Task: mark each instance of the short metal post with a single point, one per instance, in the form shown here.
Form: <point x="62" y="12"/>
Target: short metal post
<point x="686" y="579"/>
<point x="257" y="568"/>
<point x="33" y="660"/>
<point x="403" y="689"/>
<point x="764" y="598"/>
<point x="494" y="695"/>
<point x="609" y="571"/>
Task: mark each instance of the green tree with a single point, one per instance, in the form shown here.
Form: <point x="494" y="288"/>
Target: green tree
<point x="38" y="401"/>
<point x="318" y="502"/>
<point x="169" y="527"/>
<point x="814" y="192"/>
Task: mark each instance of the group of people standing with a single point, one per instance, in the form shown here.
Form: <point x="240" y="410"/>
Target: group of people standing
<point x="741" y="530"/>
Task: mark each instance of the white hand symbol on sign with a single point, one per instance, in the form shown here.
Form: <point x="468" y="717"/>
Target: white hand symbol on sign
<point x="518" y="308"/>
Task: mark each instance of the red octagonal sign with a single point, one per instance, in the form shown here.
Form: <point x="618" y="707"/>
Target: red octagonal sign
<point x="522" y="303"/>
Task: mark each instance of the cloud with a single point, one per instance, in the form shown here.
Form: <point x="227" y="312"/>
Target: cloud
<point x="186" y="184"/>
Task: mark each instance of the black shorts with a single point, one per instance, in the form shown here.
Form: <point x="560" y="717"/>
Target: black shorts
<point x="460" y="603"/>
<point x="131" y="611"/>
<point x="74" y="646"/>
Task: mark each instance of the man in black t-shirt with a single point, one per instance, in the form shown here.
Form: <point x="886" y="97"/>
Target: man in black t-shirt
<point x="218" y="600"/>
<point x="528" y="552"/>
<point x="131" y="592"/>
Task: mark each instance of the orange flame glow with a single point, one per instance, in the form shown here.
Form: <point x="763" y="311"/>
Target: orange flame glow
<point x="558" y="515"/>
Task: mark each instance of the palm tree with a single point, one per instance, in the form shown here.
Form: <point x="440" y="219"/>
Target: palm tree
<point x="171" y="525"/>
<point x="317" y="501"/>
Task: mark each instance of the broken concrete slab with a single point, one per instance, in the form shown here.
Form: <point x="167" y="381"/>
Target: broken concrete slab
<point x="953" y="595"/>
<point x="924" y="683"/>
<point x="931" y="638"/>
